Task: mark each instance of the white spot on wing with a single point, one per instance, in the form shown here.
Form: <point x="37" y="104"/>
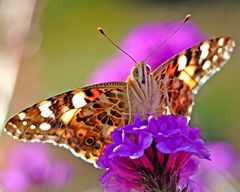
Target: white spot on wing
<point x="12" y="125"/>
<point x="182" y="62"/>
<point x="230" y="48"/>
<point x="35" y="140"/>
<point x="45" y="126"/>
<point x="221" y="41"/>
<point x="18" y="131"/>
<point x="21" y="116"/>
<point x="206" y="65"/>
<point x="44" y="108"/>
<point x="44" y="105"/>
<point x="15" y="137"/>
<point x="226" y="55"/>
<point x="233" y="44"/>
<point x="78" y="100"/>
<point x="24" y="123"/>
<point x="46" y="113"/>
<point x="215" y="57"/>
<point x="204" y="50"/>
<point x="203" y="80"/>
<point x="219" y="50"/>
<point x="32" y="126"/>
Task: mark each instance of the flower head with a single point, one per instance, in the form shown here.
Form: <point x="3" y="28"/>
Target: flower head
<point x="141" y="41"/>
<point x="152" y="155"/>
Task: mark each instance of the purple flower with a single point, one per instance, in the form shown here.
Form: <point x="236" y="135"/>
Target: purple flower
<point x="152" y="155"/>
<point x="13" y="179"/>
<point x="141" y="41"/>
<point x="222" y="173"/>
<point x="31" y="165"/>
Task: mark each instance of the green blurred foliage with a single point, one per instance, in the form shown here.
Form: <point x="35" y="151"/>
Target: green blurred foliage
<point x="72" y="48"/>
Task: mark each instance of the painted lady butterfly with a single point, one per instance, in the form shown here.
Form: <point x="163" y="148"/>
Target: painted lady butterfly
<point x="82" y="119"/>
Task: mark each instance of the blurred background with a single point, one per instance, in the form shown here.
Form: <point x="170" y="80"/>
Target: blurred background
<point x="49" y="47"/>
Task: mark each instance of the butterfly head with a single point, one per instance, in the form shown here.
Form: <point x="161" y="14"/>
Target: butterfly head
<point x="140" y="71"/>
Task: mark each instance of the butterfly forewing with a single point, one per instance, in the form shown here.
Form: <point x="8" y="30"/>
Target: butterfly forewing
<point x="186" y="72"/>
<point x="80" y="120"/>
<point x="196" y="65"/>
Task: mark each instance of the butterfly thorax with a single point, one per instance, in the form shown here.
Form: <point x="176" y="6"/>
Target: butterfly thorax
<point x="144" y="91"/>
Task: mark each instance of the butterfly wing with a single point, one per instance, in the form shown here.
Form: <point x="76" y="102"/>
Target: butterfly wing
<point x="186" y="72"/>
<point x="80" y="120"/>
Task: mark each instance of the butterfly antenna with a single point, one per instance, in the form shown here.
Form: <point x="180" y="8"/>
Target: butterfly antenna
<point x="176" y="30"/>
<point x="104" y="34"/>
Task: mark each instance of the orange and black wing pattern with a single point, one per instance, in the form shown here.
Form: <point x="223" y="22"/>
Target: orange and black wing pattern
<point x="196" y="65"/>
<point x="186" y="72"/>
<point x="80" y="120"/>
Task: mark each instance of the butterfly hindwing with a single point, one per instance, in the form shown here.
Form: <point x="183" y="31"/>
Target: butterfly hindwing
<point x="186" y="72"/>
<point x="80" y="120"/>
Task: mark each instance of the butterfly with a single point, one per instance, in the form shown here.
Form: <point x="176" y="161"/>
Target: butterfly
<point x="81" y="120"/>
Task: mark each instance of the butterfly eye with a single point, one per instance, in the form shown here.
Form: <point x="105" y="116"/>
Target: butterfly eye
<point x="89" y="140"/>
<point x="135" y="72"/>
